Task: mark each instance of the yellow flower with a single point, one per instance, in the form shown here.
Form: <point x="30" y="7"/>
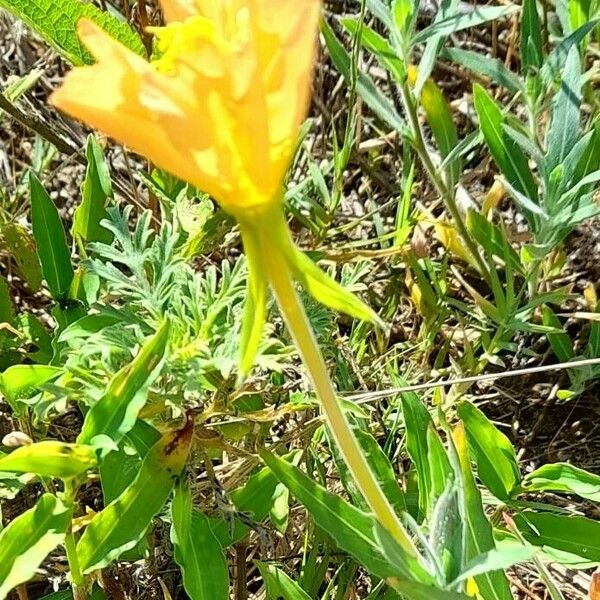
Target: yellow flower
<point x="220" y="108"/>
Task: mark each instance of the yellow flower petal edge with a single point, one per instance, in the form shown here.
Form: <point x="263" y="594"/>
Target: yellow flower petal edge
<point x="221" y="108"/>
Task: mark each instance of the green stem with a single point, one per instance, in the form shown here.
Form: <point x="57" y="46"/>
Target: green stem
<point x="418" y="143"/>
<point x="300" y="328"/>
<point x="77" y="577"/>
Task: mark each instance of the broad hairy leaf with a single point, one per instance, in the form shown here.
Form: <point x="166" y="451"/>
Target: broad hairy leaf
<point x="124" y="521"/>
<point x="28" y="539"/>
<point x="95" y="191"/>
<point x="493" y="585"/>
<point x="56" y="21"/>
<point x="50" y="458"/>
<point x="563" y="477"/>
<point x="495" y="456"/>
<point x="573" y="534"/>
<point x="117" y="410"/>
<point x="197" y="551"/>
<point x="51" y="241"/>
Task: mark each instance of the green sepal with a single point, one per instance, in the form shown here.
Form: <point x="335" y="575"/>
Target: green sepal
<point x="255" y="309"/>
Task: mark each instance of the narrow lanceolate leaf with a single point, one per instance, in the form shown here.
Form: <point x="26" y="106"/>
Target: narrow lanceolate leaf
<point x="197" y="551"/>
<point x="20" y="381"/>
<point x="508" y="156"/>
<point x="426" y="451"/>
<point x="50" y="459"/>
<point x="463" y="20"/>
<point x="95" y="191"/>
<point x="563" y="477"/>
<point x="279" y="585"/>
<point x="493" y="585"/>
<point x="117" y="410"/>
<point x="488" y="67"/>
<point x="576" y="535"/>
<point x="352" y="529"/>
<point x="532" y="52"/>
<point x="124" y="521"/>
<point x="56" y="21"/>
<point x="565" y="125"/>
<point x="28" y="539"/>
<point x="495" y="456"/>
<point x="51" y="240"/>
<point x="440" y="121"/>
<point x="376" y="101"/>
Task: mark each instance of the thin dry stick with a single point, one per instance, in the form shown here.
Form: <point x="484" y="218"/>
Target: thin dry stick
<point x="368" y="396"/>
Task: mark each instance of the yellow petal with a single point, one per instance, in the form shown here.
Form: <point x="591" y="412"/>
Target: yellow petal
<point x="178" y="10"/>
<point x="126" y="98"/>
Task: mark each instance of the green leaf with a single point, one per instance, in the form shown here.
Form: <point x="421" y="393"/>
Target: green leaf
<point x="378" y="45"/>
<point x="559" y="342"/>
<point x="440" y="121"/>
<point x="565" y="478"/>
<point x="255" y="499"/>
<point x="463" y="20"/>
<point x="483" y="65"/>
<point x="51" y="241"/>
<point x="95" y="191"/>
<point x="382" y="469"/>
<point x="124" y="521"/>
<point x="117" y="410"/>
<point x="28" y="539"/>
<point x="375" y="100"/>
<point x="532" y="49"/>
<point x="50" y="458"/>
<point x="495" y="456"/>
<point x="563" y="132"/>
<point x="7" y="310"/>
<point x="505" y="556"/>
<point x="279" y="585"/>
<point x="426" y="451"/>
<point x="493" y="585"/>
<point x="352" y="529"/>
<point x="21" y="381"/>
<point x="21" y="245"/>
<point x="556" y="60"/>
<point x="576" y="535"/>
<point x="418" y="591"/>
<point x="56" y="20"/>
<point x="492" y="239"/>
<point x="197" y="551"/>
<point x="508" y="156"/>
